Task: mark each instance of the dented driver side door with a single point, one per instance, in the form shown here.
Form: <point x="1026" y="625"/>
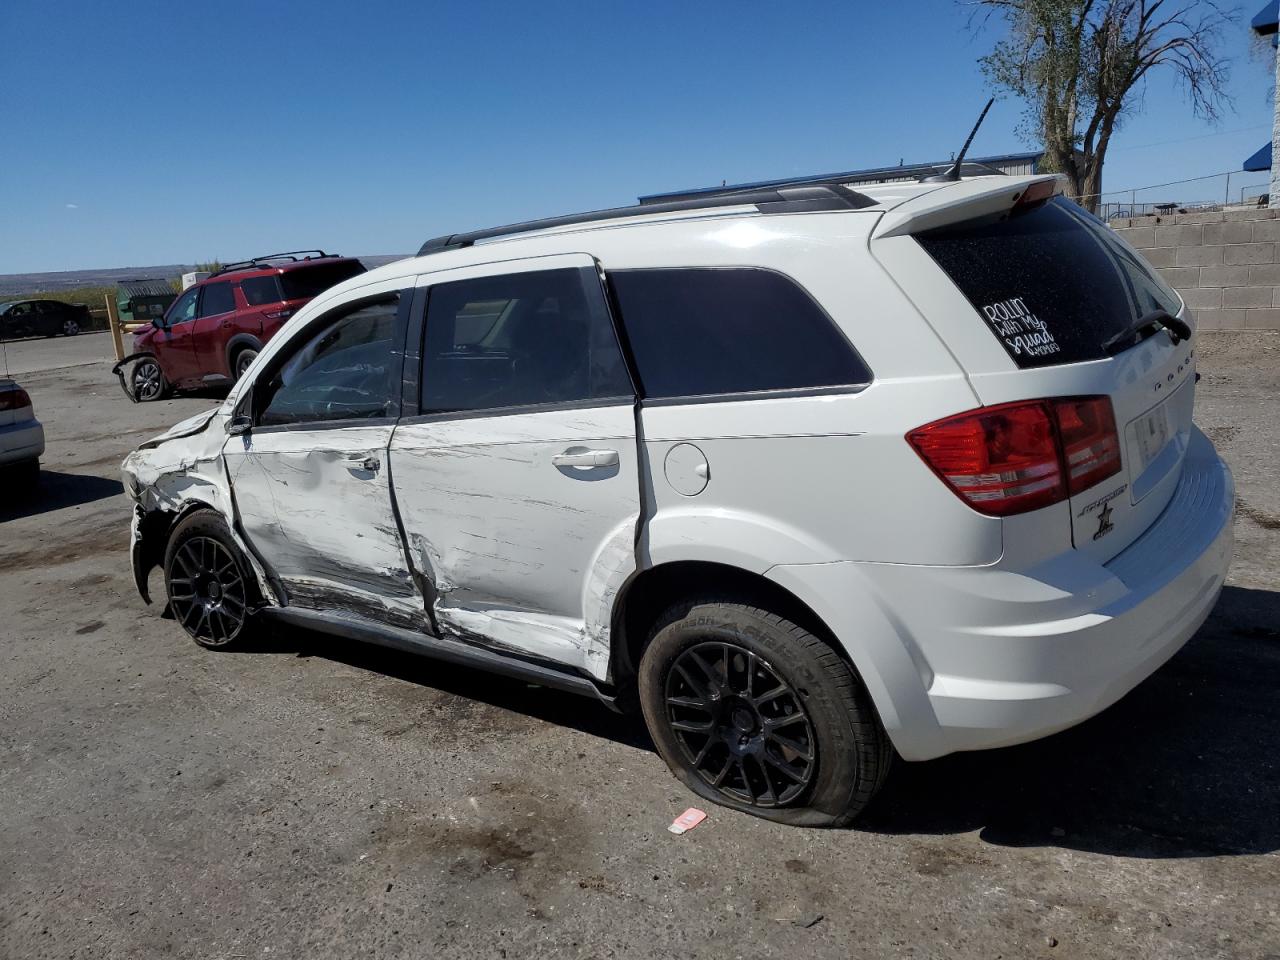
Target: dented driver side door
<point x="518" y="480"/>
<point x="310" y="476"/>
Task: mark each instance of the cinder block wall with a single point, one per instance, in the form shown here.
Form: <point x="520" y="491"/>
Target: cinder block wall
<point x="1224" y="264"/>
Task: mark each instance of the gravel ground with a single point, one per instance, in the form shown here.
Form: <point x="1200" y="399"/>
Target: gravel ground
<point x="322" y="799"/>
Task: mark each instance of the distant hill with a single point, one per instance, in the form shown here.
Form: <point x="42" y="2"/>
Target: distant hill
<point x="21" y="284"/>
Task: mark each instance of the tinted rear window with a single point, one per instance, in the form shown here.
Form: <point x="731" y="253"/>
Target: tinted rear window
<point x="696" y="332"/>
<point x="310" y="281"/>
<point x="1053" y="284"/>
<point x="260" y="290"/>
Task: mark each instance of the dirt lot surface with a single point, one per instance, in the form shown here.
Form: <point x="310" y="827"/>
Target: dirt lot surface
<point x="323" y="799"/>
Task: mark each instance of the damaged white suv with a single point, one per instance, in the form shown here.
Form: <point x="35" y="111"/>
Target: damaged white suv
<point x="816" y="475"/>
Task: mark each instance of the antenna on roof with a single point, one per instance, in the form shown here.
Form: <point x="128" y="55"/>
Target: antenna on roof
<point x="952" y="173"/>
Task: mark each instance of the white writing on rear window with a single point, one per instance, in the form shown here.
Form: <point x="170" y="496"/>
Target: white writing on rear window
<point x="1022" y="330"/>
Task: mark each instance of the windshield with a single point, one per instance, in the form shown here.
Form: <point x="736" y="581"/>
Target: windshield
<point x="306" y="282"/>
<point x="1053" y="284"/>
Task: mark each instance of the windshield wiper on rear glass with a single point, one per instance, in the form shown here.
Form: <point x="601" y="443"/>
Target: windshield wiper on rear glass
<point x="1161" y="319"/>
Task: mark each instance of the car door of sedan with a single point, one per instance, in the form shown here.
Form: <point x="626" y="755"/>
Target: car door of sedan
<point x="310" y="476"/>
<point x="518" y="481"/>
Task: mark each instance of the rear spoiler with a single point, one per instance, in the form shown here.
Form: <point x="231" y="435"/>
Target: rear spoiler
<point x="966" y="200"/>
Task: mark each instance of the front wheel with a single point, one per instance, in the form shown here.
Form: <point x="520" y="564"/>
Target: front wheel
<point x="753" y="712"/>
<point x="207" y="581"/>
<point x="148" y="380"/>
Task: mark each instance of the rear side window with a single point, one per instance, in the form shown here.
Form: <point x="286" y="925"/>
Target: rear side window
<point x="307" y="282"/>
<point x="217" y="298"/>
<point x="706" y="331"/>
<point x="260" y="290"/>
<point x="1053" y="284"/>
<point x="518" y="340"/>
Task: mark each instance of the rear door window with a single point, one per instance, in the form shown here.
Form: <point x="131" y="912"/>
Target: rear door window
<point x="520" y="340"/>
<point x="1052" y="284"/>
<point x="716" y="331"/>
<point x="217" y="298"/>
<point x="303" y="283"/>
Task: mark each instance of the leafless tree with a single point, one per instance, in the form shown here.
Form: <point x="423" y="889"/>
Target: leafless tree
<point x="1079" y="65"/>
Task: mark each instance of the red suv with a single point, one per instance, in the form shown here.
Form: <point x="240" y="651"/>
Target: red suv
<point x="212" y="332"/>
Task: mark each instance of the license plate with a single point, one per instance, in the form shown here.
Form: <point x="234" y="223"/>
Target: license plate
<point x="1152" y="432"/>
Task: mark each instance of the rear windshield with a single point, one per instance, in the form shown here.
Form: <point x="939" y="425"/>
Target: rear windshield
<point x="307" y="282"/>
<point x="1053" y="284"/>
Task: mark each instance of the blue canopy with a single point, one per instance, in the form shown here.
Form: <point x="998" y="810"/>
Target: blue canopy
<point x="1259" y="161"/>
<point x="1266" y="19"/>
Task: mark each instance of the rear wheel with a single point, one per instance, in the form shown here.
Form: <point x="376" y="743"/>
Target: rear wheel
<point x="148" y="380"/>
<point x="70" y="327"/>
<point x="243" y="359"/>
<point x="207" y="581"/>
<point x="753" y="712"/>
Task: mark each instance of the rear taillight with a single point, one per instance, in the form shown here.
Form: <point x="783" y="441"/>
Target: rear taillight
<point x="1022" y="456"/>
<point x="279" y="314"/>
<point x="14" y="399"/>
<point x="1090" y="444"/>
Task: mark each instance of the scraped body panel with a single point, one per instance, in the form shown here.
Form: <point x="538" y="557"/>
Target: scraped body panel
<point x="522" y="553"/>
<point x="182" y="470"/>
<point x="324" y="522"/>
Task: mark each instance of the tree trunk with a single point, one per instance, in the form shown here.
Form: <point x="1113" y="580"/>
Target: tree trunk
<point x="1091" y="185"/>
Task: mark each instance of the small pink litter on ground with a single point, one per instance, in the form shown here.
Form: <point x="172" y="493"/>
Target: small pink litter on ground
<point x="687" y="821"/>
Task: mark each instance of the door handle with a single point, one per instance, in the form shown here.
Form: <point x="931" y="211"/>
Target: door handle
<point x="579" y="457"/>
<point x="359" y="461"/>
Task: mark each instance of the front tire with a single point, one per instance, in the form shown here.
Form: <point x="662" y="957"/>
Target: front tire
<point x="208" y="582"/>
<point x="148" y="380"/>
<point x="753" y="712"/>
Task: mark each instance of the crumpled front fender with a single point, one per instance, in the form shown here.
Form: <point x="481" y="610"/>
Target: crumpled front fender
<point x="119" y="369"/>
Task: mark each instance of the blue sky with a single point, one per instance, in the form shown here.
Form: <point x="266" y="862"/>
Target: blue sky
<point x="147" y="133"/>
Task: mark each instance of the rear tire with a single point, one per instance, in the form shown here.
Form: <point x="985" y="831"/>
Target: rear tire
<point x="753" y="712"/>
<point x="208" y="582"/>
<point x="241" y="363"/>
<point x="70" y="328"/>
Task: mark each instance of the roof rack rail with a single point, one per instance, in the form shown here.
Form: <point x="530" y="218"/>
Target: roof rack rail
<point x="799" y="199"/>
<point x="973" y="168"/>
<point x="850" y="180"/>
<point x="291" y="255"/>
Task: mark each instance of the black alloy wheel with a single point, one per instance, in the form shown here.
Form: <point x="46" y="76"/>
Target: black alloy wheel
<point x="243" y="359"/>
<point x="70" y="327"/>
<point x="741" y="726"/>
<point x="148" y="380"/>
<point x="207" y="591"/>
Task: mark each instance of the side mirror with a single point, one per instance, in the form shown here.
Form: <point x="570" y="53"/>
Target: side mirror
<point x="239" y="425"/>
<point x="158" y="323"/>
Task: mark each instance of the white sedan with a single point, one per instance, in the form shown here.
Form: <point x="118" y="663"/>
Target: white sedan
<point x="21" y="435"/>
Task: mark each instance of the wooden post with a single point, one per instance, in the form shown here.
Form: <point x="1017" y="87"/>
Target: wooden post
<point x="113" y="321"/>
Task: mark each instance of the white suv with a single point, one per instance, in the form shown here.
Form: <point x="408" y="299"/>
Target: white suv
<point x="816" y="475"/>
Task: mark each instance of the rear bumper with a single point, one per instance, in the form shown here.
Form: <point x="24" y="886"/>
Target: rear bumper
<point x="21" y="441"/>
<point x="970" y="658"/>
